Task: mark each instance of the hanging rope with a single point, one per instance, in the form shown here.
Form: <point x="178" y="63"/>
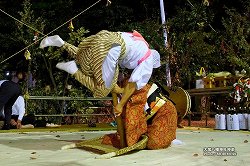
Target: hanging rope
<point x="41" y="32"/>
<point x="74" y="17"/>
<point x="21" y="22"/>
<point x="208" y="24"/>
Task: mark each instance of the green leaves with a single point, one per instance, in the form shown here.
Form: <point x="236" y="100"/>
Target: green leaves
<point x="198" y="41"/>
<point x="236" y="36"/>
<point x="78" y="36"/>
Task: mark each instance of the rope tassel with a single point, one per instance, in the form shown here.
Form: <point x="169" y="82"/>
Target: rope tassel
<point x="27" y="55"/>
<point x="108" y="3"/>
<point x="71" y="27"/>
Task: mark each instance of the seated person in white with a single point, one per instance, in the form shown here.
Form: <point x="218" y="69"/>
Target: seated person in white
<point x="18" y="120"/>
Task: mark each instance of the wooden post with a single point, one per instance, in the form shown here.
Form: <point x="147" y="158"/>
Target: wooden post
<point x="120" y="125"/>
<point x="189" y="119"/>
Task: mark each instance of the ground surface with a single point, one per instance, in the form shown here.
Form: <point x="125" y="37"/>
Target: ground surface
<point x="42" y="147"/>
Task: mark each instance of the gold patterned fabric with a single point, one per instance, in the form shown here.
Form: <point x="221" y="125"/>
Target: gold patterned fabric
<point x="97" y="90"/>
<point x="160" y="129"/>
<point x="155" y="133"/>
<point x="90" y="54"/>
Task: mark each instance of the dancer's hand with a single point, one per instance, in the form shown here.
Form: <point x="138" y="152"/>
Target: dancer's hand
<point x="13" y="122"/>
<point x="118" y="89"/>
<point x="19" y="124"/>
<point x="118" y="109"/>
<point x="52" y="41"/>
<point x="127" y="93"/>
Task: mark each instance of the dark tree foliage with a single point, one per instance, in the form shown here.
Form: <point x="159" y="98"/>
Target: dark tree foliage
<point x="214" y="36"/>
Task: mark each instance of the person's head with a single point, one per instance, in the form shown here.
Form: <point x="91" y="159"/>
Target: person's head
<point x="20" y="75"/>
<point x="123" y="77"/>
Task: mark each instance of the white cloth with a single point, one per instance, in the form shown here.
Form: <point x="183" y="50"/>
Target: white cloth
<point x="109" y="65"/>
<point x="135" y="50"/>
<point x="52" y="41"/>
<point x="177" y="142"/>
<point x="18" y="108"/>
<point x="1" y="81"/>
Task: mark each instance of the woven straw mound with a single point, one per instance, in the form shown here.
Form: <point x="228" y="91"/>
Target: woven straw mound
<point x="108" y="151"/>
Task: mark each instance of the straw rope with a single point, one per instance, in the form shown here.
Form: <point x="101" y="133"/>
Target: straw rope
<point x="22" y="22"/>
<point x="137" y="146"/>
<point x="110" y="151"/>
<point x="41" y="32"/>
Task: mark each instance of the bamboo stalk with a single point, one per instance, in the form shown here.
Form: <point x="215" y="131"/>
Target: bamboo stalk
<point x="120" y="126"/>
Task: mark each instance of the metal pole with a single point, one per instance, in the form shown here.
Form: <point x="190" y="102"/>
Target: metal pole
<point x="165" y="40"/>
<point x="163" y="21"/>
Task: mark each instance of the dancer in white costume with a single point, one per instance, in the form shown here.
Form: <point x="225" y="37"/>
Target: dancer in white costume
<point x="99" y="56"/>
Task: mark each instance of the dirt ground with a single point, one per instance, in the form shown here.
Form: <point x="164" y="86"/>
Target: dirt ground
<point x="195" y="146"/>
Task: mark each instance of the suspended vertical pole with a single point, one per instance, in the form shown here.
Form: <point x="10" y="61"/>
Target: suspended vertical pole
<point x="165" y="40"/>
